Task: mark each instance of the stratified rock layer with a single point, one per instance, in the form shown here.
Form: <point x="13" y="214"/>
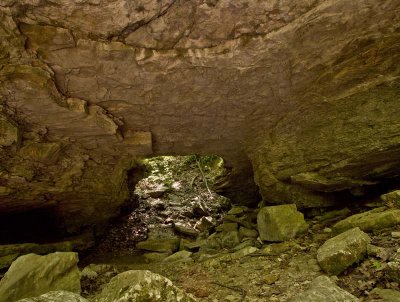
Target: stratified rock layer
<point x="305" y="92"/>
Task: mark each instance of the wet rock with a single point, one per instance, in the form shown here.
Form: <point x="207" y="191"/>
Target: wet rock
<point x="9" y="131"/>
<point x="339" y="252"/>
<point x="323" y="289"/>
<point x="142" y="286"/>
<point x="56" y="296"/>
<point x="384" y="295"/>
<point x="179" y="256"/>
<point x="32" y="275"/>
<point x="185" y="229"/>
<point x="375" y="219"/>
<point x="230" y="239"/>
<point x="280" y="223"/>
<point x="159" y="245"/>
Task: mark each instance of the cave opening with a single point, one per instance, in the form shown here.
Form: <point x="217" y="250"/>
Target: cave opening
<point x="178" y="197"/>
<point x="35" y="226"/>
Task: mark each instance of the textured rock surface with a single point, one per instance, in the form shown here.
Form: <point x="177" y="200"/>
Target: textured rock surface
<point x="323" y="289"/>
<point x="56" y="296"/>
<point x="280" y="223"/>
<point x="339" y="252"/>
<point x="159" y="245"/>
<point x="142" y="286"/>
<point x="32" y="275"/>
<point x="307" y="91"/>
<point x="384" y="295"/>
<point x="376" y="219"/>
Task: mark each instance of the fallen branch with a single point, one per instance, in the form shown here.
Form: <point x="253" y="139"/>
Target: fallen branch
<point x="235" y="288"/>
<point x="203" y="176"/>
<point x="192" y="182"/>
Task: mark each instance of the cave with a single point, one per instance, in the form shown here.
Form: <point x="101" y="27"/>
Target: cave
<point x="299" y="98"/>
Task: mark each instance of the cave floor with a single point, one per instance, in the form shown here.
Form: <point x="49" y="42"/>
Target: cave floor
<point x="287" y="269"/>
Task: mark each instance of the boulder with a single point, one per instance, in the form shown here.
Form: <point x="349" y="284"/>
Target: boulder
<point x="384" y="295"/>
<point x="323" y="289"/>
<point x="33" y="275"/>
<point x="375" y="219"/>
<point x="339" y="252"/>
<point x="142" y="286"/>
<point x="159" y="245"/>
<point x="56" y="296"/>
<point x="280" y="223"/>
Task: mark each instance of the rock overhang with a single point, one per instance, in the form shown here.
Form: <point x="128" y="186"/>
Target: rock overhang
<point x="306" y="92"/>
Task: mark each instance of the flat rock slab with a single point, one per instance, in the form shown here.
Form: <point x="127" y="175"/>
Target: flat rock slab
<point x="384" y="295"/>
<point x="376" y="219"/>
<point x="340" y="252"/>
<point x="56" y="296"/>
<point x="323" y="289"/>
<point x="159" y="245"/>
<point x="142" y="286"/>
<point x="280" y="223"/>
<point x="33" y="275"/>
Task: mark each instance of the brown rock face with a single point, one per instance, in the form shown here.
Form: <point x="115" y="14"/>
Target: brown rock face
<point x="305" y="92"/>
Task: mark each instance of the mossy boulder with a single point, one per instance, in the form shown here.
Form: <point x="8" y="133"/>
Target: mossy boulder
<point x="33" y="275"/>
<point x="142" y="286"/>
<point x="340" y="252"/>
<point x="280" y="223"/>
<point x="375" y="219"/>
<point x="56" y="296"/>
